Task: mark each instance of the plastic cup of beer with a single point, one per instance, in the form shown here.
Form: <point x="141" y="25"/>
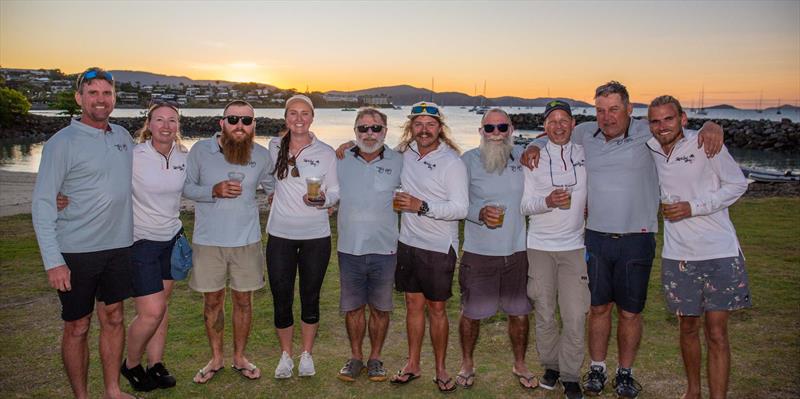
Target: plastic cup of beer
<point x="313" y="187"/>
<point x="568" y="190"/>
<point x="669" y="199"/>
<point x="236" y="176"/>
<point x="500" y="208"/>
<point x="395" y="200"/>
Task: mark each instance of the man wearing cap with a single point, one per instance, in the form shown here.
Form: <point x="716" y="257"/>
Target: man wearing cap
<point x="702" y="266"/>
<point x="367" y="240"/>
<point x="620" y="237"/>
<point x="86" y="247"/>
<point x="435" y="199"/>
<point x="555" y="198"/>
<point x="222" y="174"/>
<point x="493" y="268"/>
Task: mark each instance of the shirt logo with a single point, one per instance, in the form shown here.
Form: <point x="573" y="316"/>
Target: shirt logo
<point x="252" y="164"/>
<point x="579" y="164"/>
<point x="179" y="167"/>
<point x="311" y="162"/>
<point x="515" y="168"/>
<point x="383" y="170"/>
<point x="121" y="147"/>
<point x="685" y="159"/>
<point x="429" y="165"/>
<point x="625" y="140"/>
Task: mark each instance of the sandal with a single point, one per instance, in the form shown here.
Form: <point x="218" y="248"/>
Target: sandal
<point x="205" y="371"/>
<point x="250" y="368"/>
<point x="442" y="385"/>
<point x="529" y="378"/>
<point x="403" y="378"/>
<point x="467" y="380"/>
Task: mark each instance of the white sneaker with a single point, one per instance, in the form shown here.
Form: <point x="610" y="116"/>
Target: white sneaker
<point x="306" y="368"/>
<point x="285" y="367"/>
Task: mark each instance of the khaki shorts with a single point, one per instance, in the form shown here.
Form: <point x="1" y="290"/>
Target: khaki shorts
<point x="213" y="265"/>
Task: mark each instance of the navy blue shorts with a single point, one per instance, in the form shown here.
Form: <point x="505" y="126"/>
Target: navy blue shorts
<point x="619" y="268"/>
<point x="151" y="265"/>
<point x="427" y="272"/>
<point x="103" y="276"/>
<point x="366" y="279"/>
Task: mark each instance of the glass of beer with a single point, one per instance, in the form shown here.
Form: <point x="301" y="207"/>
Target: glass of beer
<point x="236" y="176"/>
<point x="500" y="208"/>
<point x="568" y="190"/>
<point x="669" y="199"/>
<point x="395" y="203"/>
<point x="313" y="188"/>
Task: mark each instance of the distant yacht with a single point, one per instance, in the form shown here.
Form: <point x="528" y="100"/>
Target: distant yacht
<point x="701" y="110"/>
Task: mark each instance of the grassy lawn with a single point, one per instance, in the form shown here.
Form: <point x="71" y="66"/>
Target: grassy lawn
<point x="765" y="339"/>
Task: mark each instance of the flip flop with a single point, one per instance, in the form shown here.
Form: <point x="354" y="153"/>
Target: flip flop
<point x="250" y="368"/>
<point x="442" y="385"/>
<point x="203" y="372"/>
<point x="530" y="379"/>
<point x="467" y="378"/>
<point x="409" y="376"/>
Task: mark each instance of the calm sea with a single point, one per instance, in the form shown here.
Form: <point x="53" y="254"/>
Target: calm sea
<point x="335" y="126"/>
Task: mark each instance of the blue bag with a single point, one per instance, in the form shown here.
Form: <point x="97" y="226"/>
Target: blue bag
<point x="181" y="259"/>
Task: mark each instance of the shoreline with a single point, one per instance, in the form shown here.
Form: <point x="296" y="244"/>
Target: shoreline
<point x="16" y="193"/>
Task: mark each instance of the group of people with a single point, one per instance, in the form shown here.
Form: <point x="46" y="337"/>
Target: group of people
<point x="106" y="215"/>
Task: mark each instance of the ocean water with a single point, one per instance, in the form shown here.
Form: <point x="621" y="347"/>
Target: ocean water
<point x="334" y="126"/>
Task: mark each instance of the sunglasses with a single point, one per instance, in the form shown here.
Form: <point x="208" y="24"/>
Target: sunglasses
<point x="293" y="163"/>
<point x="234" y="119"/>
<point x="424" y="109"/>
<point x="158" y="101"/>
<point x="366" y="128"/>
<point x="95" y="74"/>
<point x="501" y="127"/>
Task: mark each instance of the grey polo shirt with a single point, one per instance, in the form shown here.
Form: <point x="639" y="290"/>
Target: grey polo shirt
<point x="505" y="188"/>
<point x="93" y="168"/>
<point x="622" y="179"/>
<point x="367" y="224"/>
<point x="225" y="222"/>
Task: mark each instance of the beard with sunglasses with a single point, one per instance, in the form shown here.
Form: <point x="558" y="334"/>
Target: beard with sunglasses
<point x="299" y="230"/>
<point x="493" y="269"/>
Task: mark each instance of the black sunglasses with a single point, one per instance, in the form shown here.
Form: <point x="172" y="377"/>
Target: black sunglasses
<point x="365" y="128"/>
<point x="160" y="101"/>
<point x="293" y="163"/>
<point x="234" y="119"/>
<point x="501" y="127"/>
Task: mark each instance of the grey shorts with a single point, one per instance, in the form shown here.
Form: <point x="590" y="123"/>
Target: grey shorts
<point x="694" y="287"/>
<point x="366" y="279"/>
<point x="489" y="283"/>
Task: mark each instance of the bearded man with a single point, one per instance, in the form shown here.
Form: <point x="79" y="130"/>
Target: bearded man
<point x="494" y="266"/>
<point x="222" y="176"/>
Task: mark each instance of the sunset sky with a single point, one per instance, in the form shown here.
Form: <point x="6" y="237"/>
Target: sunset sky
<point x="736" y="50"/>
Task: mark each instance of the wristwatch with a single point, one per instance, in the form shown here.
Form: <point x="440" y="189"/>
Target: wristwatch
<point x="423" y="209"/>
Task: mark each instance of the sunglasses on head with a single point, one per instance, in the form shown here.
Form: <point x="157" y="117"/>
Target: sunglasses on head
<point x="158" y="101"/>
<point x="293" y="163"/>
<point x="424" y="109"/>
<point x="366" y="128"/>
<point x="501" y="127"/>
<point x="95" y="74"/>
<point x="234" y="119"/>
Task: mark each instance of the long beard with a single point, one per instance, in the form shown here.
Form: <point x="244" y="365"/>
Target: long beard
<point x="364" y="147"/>
<point x="236" y="152"/>
<point x="495" y="154"/>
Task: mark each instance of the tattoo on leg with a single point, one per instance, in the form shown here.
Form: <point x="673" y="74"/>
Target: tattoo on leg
<point x="219" y="323"/>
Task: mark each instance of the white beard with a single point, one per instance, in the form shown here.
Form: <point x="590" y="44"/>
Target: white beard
<point x="363" y="147"/>
<point x="495" y="154"/>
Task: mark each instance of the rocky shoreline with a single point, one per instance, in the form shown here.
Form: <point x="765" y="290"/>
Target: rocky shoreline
<point x="39" y="128"/>
<point x="783" y="136"/>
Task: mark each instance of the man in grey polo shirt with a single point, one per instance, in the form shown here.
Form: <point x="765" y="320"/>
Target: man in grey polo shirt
<point x="367" y="242"/>
<point x="222" y="174"/>
<point x="620" y="237"/>
<point x="86" y="247"/>
<point x="494" y="267"/>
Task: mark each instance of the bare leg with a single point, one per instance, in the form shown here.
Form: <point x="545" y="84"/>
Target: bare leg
<point x="285" y="336"/>
<point x="599" y="331"/>
<point x="149" y="314"/>
<point x="719" y="353"/>
<point x="378" y="326"/>
<point x="308" y="334"/>
<point x="356" y="327"/>
<point x="155" y="347"/>
<point x="690" y="351"/>
<point x="75" y="354"/>
<point x="439" y="330"/>
<point x="112" y="342"/>
<point x="214" y="316"/>
<point x="242" y="321"/>
<point x="629" y="335"/>
<point x="468" y="332"/>
<point x="518" y="333"/>
<point x="415" y="329"/>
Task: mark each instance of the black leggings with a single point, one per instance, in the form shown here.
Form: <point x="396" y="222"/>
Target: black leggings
<point x="284" y="258"/>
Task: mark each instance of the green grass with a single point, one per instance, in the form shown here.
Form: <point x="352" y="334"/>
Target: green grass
<point x="765" y="340"/>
